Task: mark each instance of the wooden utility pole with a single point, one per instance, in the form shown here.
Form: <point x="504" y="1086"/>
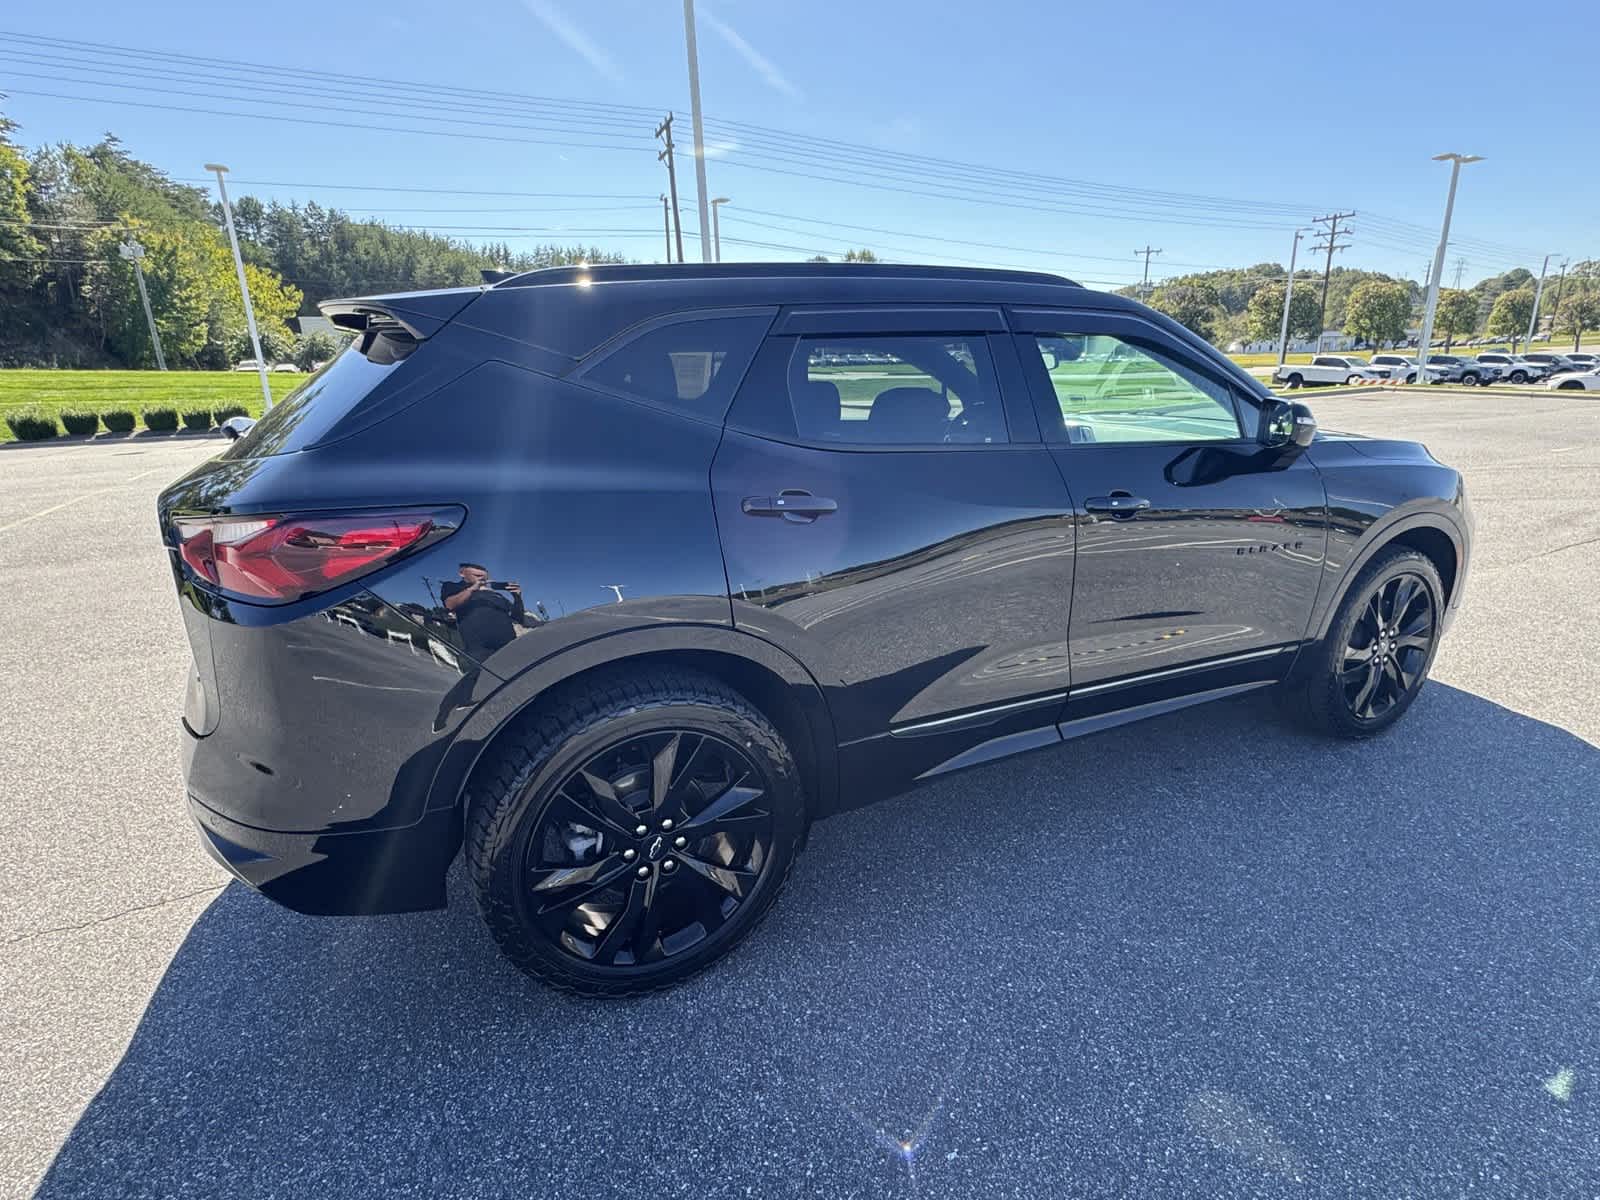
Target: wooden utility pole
<point x="1330" y="244"/>
<point x="1144" y="288"/>
<point x="665" y="130"/>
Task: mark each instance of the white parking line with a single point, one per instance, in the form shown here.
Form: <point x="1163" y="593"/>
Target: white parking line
<point x="45" y="512"/>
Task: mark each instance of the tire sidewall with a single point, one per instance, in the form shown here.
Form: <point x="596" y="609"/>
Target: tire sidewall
<point x="519" y="814"/>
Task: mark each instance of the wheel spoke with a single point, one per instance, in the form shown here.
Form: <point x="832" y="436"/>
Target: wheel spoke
<point x="575" y="884"/>
<point x="735" y="798"/>
<point x="661" y="772"/>
<point x="1394" y="678"/>
<point x="608" y="804"/>
<point x="734" y="880"/>
<point x="1415" y="641"/>
<point x="1405" y="592"/>
<point x="619" y="934"/>
<point x="1362" y="703"/>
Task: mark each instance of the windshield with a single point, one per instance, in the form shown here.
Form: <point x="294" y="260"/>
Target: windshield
<point x="1356" y="362"/>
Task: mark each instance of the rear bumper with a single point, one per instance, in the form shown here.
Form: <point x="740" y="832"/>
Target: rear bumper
<point x="337" y="874"/>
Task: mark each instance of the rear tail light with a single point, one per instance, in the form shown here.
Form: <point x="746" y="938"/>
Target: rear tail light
<point x="277" y="559"/>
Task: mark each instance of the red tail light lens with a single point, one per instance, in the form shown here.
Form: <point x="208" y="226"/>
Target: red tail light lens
<point x="277" y="559"/>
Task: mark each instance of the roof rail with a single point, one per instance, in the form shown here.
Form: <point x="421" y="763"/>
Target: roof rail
<point x="616" y="273"/>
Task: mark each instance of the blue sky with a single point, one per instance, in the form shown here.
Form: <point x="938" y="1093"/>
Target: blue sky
<point x="1208" y="131"/>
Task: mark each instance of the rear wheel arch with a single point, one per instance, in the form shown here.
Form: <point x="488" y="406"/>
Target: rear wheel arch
<point x="771" y="681"/>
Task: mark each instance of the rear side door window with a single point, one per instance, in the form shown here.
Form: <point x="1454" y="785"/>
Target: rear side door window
<point x="927" y="390"/>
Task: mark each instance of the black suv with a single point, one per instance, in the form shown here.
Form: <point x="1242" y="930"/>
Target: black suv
<point x="621" y="576"/>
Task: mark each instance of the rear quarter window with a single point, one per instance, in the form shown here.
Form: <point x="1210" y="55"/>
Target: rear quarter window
<point x="692" y="365"/>
<point x="310" y="412"/>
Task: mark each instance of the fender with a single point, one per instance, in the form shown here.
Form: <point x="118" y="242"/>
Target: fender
<point x="1373" y="539"/>
<point x="523" y="688"/>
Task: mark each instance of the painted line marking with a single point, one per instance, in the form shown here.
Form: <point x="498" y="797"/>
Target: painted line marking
<point x="45" y="512"/>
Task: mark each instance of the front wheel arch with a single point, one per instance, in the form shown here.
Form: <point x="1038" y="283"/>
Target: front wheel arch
<point x="1430" y="534"/>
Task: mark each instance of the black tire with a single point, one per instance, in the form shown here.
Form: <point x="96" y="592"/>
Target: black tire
<point x="1471" y="379"/>
<point x="1352" y="381"/>
<point x="520" y="809"/>
<point x="1323" y="689"/>
<point x="1296" y="379"/>
<point x="1519" y="377"/>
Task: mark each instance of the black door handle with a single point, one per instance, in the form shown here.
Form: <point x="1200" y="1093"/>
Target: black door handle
<point x="791" y="505"/>
<point x="1118" y="504"/>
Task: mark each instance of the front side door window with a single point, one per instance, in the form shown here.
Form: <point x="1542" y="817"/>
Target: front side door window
<point x="1108" y="389"/>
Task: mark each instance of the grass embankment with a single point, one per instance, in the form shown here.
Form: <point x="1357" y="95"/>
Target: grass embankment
<point x="102" y="391"/>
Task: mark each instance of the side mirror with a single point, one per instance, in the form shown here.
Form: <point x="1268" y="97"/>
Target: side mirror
<point x="1285" y="424"/>
<point x="236" y="427"/>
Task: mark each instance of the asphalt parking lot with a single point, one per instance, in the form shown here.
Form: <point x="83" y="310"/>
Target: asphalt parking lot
<point x="1208" y="955"/>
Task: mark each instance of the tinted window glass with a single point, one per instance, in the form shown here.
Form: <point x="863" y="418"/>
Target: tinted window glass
<point x="1109" y="390"/>
<point x="304" y="417"/>
<point x="889" y="390"/>
<point x="690" y="365"/>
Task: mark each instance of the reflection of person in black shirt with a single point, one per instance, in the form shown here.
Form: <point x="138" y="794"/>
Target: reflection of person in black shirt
<point x="486" y="621"/>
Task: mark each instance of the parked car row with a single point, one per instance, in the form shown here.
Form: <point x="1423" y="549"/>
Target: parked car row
<point x="1489" y="367"/>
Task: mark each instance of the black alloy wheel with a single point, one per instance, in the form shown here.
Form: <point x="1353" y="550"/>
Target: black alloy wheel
<point x="1360" y="678"/>
<point x="631" y="829"/>
<point x="1388" y="649"/>
<point x="648" y="848"/>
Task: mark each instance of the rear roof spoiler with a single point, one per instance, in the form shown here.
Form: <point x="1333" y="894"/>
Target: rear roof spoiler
<point x="421" y="314"/>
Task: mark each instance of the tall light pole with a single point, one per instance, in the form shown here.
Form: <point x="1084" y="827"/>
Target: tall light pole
<point x="699" y="132"/>
<point x="1288" y="295"/>
<point x="244" y="288"/>
<point x="1538" y="294"/>
<point x="1455" y="161"/>
<point x="716" y="229"/>
<point x="134" y="253"/>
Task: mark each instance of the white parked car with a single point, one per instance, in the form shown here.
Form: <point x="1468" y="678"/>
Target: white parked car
<point x="285" y="368"/>
<point x="248" y="364"/>
<point x="1572" y="381"/>
<point x="1329" y="369"/>
<point x="1514" y="368"/>
<point x="1583" y="362"/>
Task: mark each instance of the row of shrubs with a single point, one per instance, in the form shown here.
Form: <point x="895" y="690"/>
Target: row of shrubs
<point x="36" y="424"/>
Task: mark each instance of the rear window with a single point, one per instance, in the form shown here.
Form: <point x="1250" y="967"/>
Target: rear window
<point x="306" y="416"/>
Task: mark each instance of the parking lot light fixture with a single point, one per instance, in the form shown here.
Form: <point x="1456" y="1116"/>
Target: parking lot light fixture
<point x="244" y="288"/>
<point x="716" y="228"/>
<point x="1456" y="162"/>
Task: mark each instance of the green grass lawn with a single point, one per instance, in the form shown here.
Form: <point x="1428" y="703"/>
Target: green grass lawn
<point x="136" y="390"/>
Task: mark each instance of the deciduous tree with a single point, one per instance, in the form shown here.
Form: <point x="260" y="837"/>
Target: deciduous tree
<point x="1456" y="314"/>
<point x="1194" y="305"/>
<point x="1378" y="311"/>
<point x="1265" y="312"/>
<point x="1510" y="315"/>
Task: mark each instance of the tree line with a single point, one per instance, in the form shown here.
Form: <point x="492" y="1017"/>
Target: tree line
<point x="69" y="298"/>
<point x="1246" y="305"/>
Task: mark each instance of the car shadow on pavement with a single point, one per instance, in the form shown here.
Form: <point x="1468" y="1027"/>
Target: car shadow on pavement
<point x="1206" y="955"/>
